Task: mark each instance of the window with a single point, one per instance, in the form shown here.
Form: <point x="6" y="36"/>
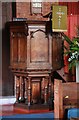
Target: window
<point x="36" y="6"/>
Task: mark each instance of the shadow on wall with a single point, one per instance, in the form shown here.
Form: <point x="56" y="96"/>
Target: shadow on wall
<point x="7" y="77"/>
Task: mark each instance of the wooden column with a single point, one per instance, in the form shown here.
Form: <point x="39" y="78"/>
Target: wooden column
<point x="15" y="79"/>
<point x="58" y="101"/>
<point x="17" y="88"/>
<point x="46" y="91"/>
<point x="25" y="93"/>
<point x="29" y="91"/>
<point x="42" y="89"/>
<point x="21" y="98"/>
<point x="49" y="88"/>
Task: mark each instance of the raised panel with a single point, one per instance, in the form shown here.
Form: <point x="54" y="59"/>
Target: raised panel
<point x="36" y="91"/>
<point x="14" y="48"/>
<point x="18" y="43"/>
<point x="18" y="48"/>
<point x="39" y="47"/>
<point x="22" y="49"/>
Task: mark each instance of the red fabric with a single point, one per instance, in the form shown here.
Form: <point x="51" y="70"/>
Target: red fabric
<point x="73" y="7"/>
<point x="72" y="23"/>
<point x="66" y="64"/>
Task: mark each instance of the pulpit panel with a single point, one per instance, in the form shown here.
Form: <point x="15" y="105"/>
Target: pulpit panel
<point x="22" y="51"/>
<point x="18" y="44"/>
<point x="14" y="48"/>
<point x="38" y="47"/>
<point x="36" y="91"/>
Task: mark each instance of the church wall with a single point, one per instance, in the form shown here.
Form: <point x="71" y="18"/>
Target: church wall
<point x="0" y="49"/>
<point x="7" y="81"/>
<point x="23" y="10"/>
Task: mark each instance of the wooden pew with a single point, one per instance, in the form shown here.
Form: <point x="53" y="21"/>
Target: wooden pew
<point x="66" y="95"/>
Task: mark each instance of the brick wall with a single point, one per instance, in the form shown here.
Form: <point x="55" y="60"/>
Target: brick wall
<point x="23" y="10"/>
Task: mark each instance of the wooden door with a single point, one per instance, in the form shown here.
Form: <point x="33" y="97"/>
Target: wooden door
<point x="36" y="91"/>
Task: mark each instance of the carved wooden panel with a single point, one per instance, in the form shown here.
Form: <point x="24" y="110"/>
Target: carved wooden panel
<point x="38" y="54"/>
<point x="14" y="47"/>
<point x="22" y="45"/>
<point x="18" y="48"/>
<point x="18" y="44"/>
<point x="39" y="47"/>
<point x="36" y="91"/>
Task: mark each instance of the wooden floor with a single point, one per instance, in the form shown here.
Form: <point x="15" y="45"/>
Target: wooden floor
<point x="22" y="110"/>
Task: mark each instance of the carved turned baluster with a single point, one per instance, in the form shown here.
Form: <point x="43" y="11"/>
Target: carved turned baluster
<point x="21" y="98"/>
<point x="46" y="91"/>
<point x="25" y="93"/>
<point x="29" y="91"/>
<point x="15" y="79"/>
<point x="42" y="89"/>
<point x="17" y="88"/>
<point x="49" y="89"/>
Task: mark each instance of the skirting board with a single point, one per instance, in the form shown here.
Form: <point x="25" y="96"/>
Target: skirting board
<point x="7" y="102"/>
<point x="4" y="100"/>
